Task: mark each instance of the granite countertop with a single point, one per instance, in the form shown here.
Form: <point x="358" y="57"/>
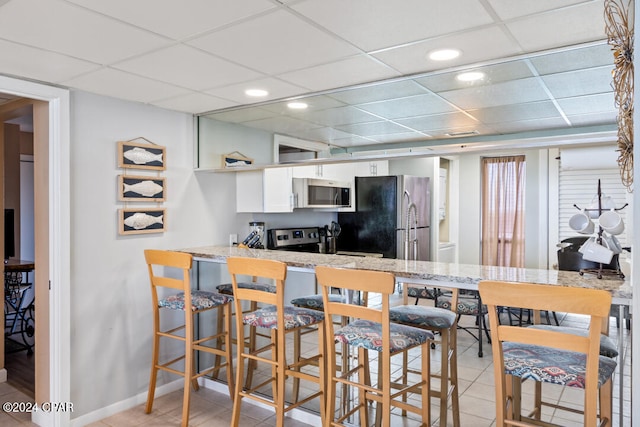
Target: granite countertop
<point x="464" y="276"/>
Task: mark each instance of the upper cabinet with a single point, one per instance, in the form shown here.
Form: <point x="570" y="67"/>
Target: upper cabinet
<point x="268" y="190"/>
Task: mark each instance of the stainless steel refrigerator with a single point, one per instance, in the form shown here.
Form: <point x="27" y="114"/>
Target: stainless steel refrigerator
<point x="379" y="224"/>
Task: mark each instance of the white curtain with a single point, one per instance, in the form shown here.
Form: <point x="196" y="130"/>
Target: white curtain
<point x="503" y="211"/>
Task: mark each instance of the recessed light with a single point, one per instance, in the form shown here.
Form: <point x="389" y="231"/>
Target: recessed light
<point x="444" y="54"/>
<point x="297" y="105"/>
<point x="256" y="93"/>
<point x="471" y="76"/>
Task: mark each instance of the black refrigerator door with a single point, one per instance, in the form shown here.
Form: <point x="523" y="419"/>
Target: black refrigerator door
<point x="372" y="228"/>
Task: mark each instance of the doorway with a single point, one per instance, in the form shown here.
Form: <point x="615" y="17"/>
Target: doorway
<point x="52" y="253"/>
<point x="16" y="115"/>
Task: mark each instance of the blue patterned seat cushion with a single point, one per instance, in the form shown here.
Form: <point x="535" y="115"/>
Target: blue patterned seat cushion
<point x="607" y="346"/>
<point x="199" y="300"/>
<point x="227" y="288"/>
<point x="467" y="306"/>
<point x="422" y="317"/>
<point x="315" y="301"/>
<point x="552" y="365"/>
<point x="367" y="334"/>
<point x="427" y="293"/>
<point x="294" y="317"/>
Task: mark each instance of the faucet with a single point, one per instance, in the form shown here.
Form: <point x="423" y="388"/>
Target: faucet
<point x="411" y="207"/>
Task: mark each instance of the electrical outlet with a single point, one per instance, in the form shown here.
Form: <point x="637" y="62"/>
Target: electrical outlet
<point x="233" y="239"/>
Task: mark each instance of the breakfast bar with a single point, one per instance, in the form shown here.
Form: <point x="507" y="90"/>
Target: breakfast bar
<point x="460" y="276"/>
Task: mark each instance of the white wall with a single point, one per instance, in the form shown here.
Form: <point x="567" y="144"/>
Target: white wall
<point x="111" y="320"/>
<point x="536" y="195"/>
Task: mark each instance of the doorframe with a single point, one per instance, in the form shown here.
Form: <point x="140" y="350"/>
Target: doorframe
<point x="59" y="251"/>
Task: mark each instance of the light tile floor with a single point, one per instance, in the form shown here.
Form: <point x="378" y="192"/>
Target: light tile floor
<point x="210" y="408"/>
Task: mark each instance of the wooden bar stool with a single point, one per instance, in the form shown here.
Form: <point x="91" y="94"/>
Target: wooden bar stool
<point x="251" y="340"/>
<point x="551" y="355"/>
<point x="369" y="329"/>
<point x="442" y="322"/>
<point x="281" y="320"/>
<point x="164" y="268"/>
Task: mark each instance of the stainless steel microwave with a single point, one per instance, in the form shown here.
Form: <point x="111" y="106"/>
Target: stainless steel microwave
<point x="321" y="193"/>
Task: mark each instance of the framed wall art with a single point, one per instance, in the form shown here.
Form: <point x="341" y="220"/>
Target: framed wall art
<point x="141" y="188"/>
<point x="235" y="159"/>
<point x="140" y="220"/>
<point x="136" y="155"/>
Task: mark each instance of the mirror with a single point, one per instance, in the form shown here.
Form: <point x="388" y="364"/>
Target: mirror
<point x="552" y="97"/>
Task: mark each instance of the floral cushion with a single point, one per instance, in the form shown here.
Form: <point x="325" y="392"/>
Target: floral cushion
<point x="552" y="365"/>
<point x="421" y="316"/>
<point x="467" y="306"/>
<point x="607" y="346"/>
<point x="199" y="300"/>
<point x="367" y="334"/>
<point x="294" y="317"/>
<point x="315" y="301"/>
<point x="227" y="288"/>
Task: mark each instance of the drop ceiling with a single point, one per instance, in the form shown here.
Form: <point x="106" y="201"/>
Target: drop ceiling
<point x="546" y="62"/>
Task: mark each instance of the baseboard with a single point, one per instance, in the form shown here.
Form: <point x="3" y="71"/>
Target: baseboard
<point x="3" y="375"/>
<point x="102" y="413"/>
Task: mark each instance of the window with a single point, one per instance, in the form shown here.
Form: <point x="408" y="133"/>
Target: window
<point x="503" y="211"/>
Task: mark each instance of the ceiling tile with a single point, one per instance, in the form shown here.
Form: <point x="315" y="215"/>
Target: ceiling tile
<point x="277" y="89"/>
<point x="322" y="134"/>
<point x="508" y="9"/>
<point x="496" y="73"/>
<point x="582" y="82"/>
<point x="285" y="125"/>
<point x="476" y="46"/>
<point x="352" y="141"/>
<point x="177" y="20"/>
<point x="563" y="27"/>
<point x="574" y="59"/>
<point x="275" y="43"/>
<point x="516" y="112"/>
<point x="505" y="93"/>
<point x="349" y="71"/>
<point x="600" y="103"/>
<point x="315" y="103"/>
<point x="411" y="106"/>
<point x="401" y="137"/>
<point x="377" y="24"/>
<point x="341" y="116"/>
<point x="187" y="67"/>
<point x="529" y="125"/>
<point x="382" y="127"/>
<point x="438" y="121"/>
<point x="75" y="31"/>
<point x="123" y="85"/>
<point x="241" y="115"/>
<point x="379" y="92"/>
<point x="593" y="119"/>
<point x="38" y="64"/>
<point x="193" y="103"/>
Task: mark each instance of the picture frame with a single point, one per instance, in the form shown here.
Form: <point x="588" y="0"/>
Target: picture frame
<point x="235" y="160"/>
<point x="137" y="155"/>
<point x="141" y="188"/>
<point x="141" y="221"/>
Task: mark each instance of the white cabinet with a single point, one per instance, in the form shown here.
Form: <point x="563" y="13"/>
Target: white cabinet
<point x="376" y="168"/>
<point x="278" y="190"/>
<point x="337" y="171"/>
<point x="268" y="190"/>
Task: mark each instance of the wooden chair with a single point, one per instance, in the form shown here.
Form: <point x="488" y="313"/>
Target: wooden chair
<point x="551" y="355"/>
<point x="280" y="319"/>
<point x="172" y="270"/>
<point x="442" y="322"/>
<point x="251" y="340"/>
<point x="468" y="303"/>
<point x="370" y="329"/>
